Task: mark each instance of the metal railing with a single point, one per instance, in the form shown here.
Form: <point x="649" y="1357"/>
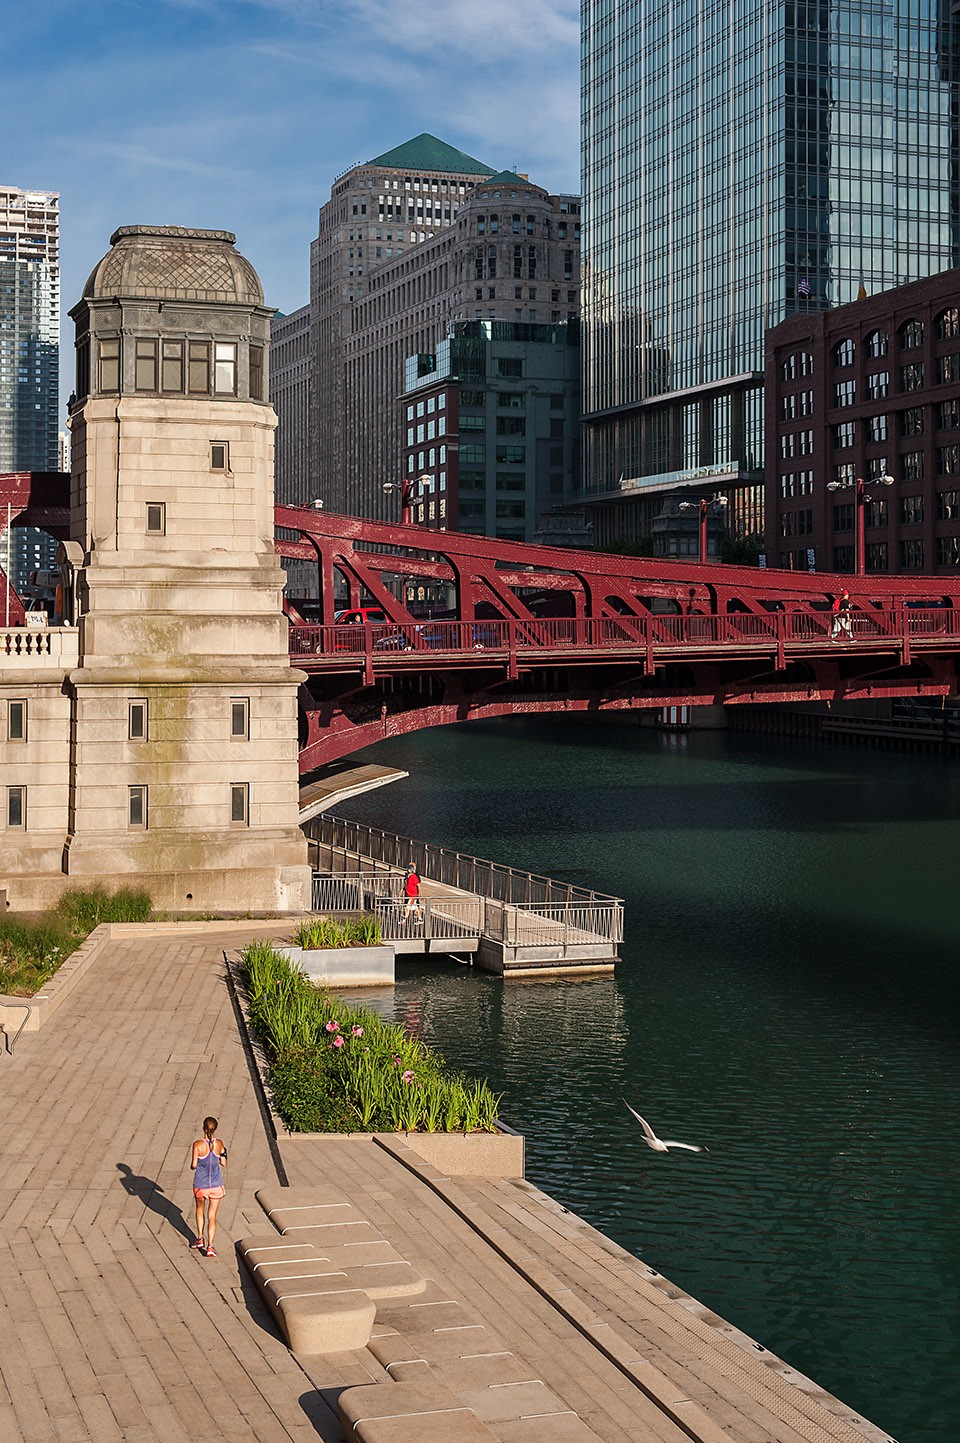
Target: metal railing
<point x="341" y="842"/>
<point x="567" y="924"/>
<point x="449" y="918"/>
<point x="415" y="640"/>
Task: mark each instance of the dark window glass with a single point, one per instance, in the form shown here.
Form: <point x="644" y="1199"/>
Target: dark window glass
<point x="256" y="373"/>
<point x="172" y="366"/>
<point x="108" y="354"/>
<point x="199" y="368"/>
<point x="146" y="365"/>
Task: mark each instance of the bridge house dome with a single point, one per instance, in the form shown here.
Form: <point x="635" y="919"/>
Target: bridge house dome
<point x="174" y="263"/>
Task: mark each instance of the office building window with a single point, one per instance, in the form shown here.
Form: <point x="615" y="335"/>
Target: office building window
<point x="844" y="353"/>
<point x="878" y="385"/>
<point x="911" y="555"/>
<point x="911" y="376"/>
<point x="137" y="808"/>
<point x="875" y="345"/>
<point x="948" y="324"/>
<point x="911" y="335"/>
<point x="843" y="518"/>
<point x="948" y="505"/>
<point x="17" y="808"/>
<point x="948" y="550"/>
<point x="911" y="510"/>
<point x="948" y="460"/>
<point x="948" y="414"/>
<point x="911" y="421"/>
<point x="877" y="556"/>
<point x="948" y="368"/>
<point x="911" y="466"/>
<point x="843" y="558"/>
<point x="137" y="714"/>
<point x="876" y="428"/>
<point x="845" y="393"/>
<point x="875" y="515"/>
<point x="16" y="721"/>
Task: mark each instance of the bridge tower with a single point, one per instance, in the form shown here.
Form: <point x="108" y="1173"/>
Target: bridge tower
<point x="183" y="772"/>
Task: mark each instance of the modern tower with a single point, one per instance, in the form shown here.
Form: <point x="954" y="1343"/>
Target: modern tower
<point x="29" y="356"/>
<point x="743" y="162"/>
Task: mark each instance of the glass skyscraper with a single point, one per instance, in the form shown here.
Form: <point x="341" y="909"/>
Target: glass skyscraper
<point x="742" y="161"/>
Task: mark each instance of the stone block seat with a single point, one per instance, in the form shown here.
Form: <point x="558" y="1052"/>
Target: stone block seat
<point x="323" y="1269"/>
<point x="451" y="1378"/>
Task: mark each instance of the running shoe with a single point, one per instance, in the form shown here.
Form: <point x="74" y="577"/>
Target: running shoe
<point x="197" y="1243"/>
<point x="210" y="1253"/>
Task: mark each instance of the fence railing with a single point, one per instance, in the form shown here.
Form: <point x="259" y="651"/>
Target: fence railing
<point x="419" y="639"/>
<point x="339" y="840"/>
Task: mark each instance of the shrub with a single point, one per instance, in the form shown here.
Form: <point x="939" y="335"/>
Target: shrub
<point x="340" y="1068"/>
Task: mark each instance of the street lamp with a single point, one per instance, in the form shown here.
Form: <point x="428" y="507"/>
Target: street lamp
<point x="408" y="492"/>
<point x="703" y="506"/>
<point x="858" y="487"/>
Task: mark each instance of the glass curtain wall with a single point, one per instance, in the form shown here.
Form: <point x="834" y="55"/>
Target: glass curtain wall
<point x="744" y="160"/>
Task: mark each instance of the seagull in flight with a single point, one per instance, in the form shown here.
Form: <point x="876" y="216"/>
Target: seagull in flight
<point x="651" y="1139"/>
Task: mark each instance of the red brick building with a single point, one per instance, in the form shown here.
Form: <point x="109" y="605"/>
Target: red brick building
<point x="856" y="394"/>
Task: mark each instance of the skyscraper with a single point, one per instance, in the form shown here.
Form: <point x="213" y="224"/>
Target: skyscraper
<point x="29" y="355"/>
<point x="744" y="161"/>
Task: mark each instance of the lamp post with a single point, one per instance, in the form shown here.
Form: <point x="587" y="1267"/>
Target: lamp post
<point x="858" y="487"/>
<point x="408" y="488"/>
<point x="703" y="506"/>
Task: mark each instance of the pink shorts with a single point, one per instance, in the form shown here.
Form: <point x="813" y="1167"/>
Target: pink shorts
<point x="203" y="1193"/>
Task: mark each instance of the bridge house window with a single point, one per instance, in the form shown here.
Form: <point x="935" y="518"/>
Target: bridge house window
<point x="17" y="808"/>
<point x="225" y="368"/>
<point x="156" y="518"/>
<point x="256" y="373"/>
<point x="137" y="711"/>
<point x="240" y="718"/>
<point x="219" y="455"/>
<point x="198" y="368"/>
<point x="108" y="354"/>
<point x="137" y="808"/>
<point x="171" y="367"/>
<point x="240" y="804"/>
<point x="145" y="364"/>
<point x="16" y="721"/>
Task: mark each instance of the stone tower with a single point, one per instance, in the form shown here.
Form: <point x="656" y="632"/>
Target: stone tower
<point x="183" y="769"/>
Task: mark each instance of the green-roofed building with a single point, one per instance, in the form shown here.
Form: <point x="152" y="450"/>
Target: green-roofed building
<point x="419" y="238"/>
<point x="426" y="152"/>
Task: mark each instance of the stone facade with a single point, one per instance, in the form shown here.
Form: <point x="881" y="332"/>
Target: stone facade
<point x="175" y="746"/>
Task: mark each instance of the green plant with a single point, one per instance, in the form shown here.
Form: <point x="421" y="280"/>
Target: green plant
<point x="83" y="909"/>
<point x="335" y="1067"/>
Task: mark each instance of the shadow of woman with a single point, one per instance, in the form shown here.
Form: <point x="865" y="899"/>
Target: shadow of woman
<point x="152" y="1195"/>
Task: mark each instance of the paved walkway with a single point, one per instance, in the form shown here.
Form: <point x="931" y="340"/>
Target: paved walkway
<point x="111" y="1329"/>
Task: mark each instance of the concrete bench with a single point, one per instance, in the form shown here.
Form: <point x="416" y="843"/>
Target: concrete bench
<point x="396" y="1412"/>
<point x="324" y="1269"/>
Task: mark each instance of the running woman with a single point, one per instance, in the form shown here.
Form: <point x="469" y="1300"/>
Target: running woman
<point x="207" y="1161"/>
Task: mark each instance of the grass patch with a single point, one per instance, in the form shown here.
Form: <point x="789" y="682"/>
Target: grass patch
<point x="31" y="949"/>
<point x="319" y="932"/>
<point x="339" y="1068"/>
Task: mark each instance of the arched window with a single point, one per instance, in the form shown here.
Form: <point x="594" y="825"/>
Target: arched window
<point x="844" y="352"/>
<point x="948" y="324"/>
<point x="911" y="335"/>
<point x="876" y="344"/>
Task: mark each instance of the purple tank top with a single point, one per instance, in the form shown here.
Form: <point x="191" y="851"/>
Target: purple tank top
<point x="208" y="1172"/>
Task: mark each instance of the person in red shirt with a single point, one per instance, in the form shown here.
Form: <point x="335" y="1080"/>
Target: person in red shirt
<point x="411" y="891"/>
<point x="841" y="617"/>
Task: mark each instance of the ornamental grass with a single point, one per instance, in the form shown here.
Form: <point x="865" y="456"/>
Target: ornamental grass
<point x="319" y="932"/>
<point x="32" y="948"/>
<point x="335" y="1067"/>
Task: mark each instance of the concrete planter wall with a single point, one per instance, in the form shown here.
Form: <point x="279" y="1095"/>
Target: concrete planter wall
<point x="455" y="1154"/>
<point x="344" y="966"/>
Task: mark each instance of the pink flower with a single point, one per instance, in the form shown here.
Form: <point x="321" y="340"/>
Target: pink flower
<point x="408" y="1077"/>
<point x="333" y="1026"/>
<point x="337" y="1042"/>
<point x="356" y="1031"/>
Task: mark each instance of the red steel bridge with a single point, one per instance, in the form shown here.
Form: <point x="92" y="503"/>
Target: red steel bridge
<point x="541" y="629"/>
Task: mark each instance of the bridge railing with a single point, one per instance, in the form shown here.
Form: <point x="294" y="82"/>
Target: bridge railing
<point x="340" y="839"/>
<point x="522" y="635"/>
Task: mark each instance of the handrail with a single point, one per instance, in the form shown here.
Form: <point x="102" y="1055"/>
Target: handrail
<point x="8" y="1043"/>
<point x="414" y="643"/>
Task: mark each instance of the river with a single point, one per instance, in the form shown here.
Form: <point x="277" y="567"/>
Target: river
<point x="788" y="997"/>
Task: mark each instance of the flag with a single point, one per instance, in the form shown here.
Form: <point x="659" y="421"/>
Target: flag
<point x="862" y="292"/>
<point x="803" y="286"/>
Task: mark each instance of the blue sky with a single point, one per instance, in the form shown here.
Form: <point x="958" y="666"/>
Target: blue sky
<point x="237" y="114"/>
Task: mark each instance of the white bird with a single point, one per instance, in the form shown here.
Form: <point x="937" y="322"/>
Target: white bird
<point x="651" y="1139"/>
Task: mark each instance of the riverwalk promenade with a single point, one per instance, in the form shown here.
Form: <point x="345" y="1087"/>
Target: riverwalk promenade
<point x="112" y="1329"/>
